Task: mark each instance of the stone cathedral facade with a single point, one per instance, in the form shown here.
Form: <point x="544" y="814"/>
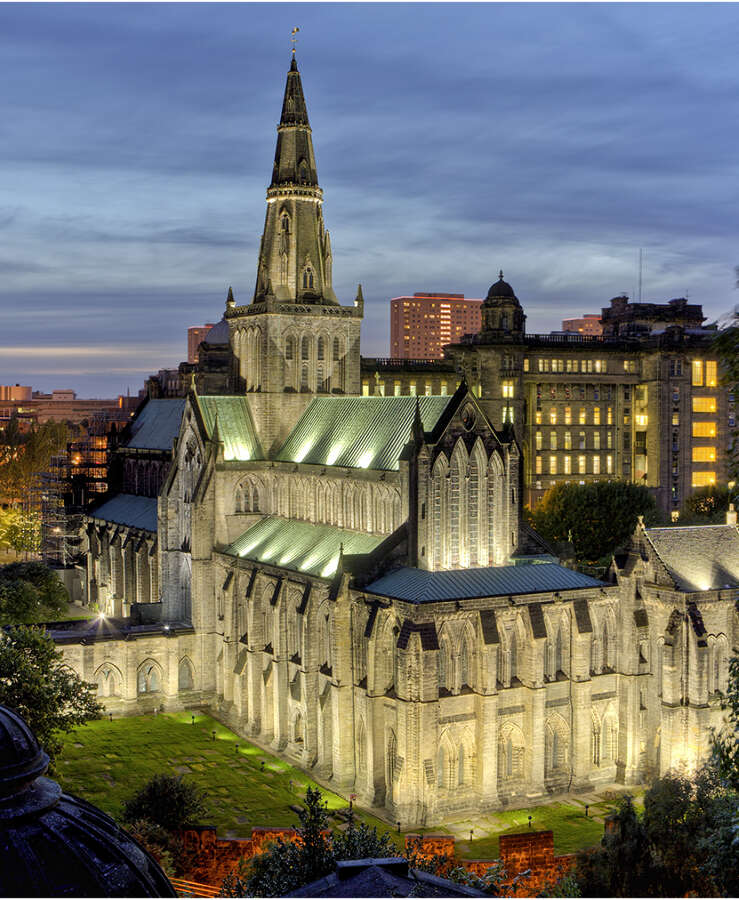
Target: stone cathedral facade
<point x="347" y="579"/>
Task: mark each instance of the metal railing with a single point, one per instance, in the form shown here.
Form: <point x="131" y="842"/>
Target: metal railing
<point x="186" y="888"/>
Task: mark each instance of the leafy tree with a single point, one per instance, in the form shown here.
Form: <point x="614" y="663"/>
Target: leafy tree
<point x="597" y="517"/>
<point x="35" y="682"/>
<point x="30" y="592"/>
<point x="725" y="743"/>
<point x="166" y="848"/>
<point x="20" y="531"/>
<point x="167" y="801"/>
<point x="706" y="506"/>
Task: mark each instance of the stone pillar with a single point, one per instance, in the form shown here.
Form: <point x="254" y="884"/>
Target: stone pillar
<point x="487" y="742"/>
<point x="538" y="749"/>
<point x="116" y="565"/>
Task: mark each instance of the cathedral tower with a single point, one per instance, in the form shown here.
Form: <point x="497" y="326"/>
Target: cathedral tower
<point x="294" y="337"/>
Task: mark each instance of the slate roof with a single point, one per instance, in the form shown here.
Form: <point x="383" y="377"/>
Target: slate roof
<point x="698" y="557"/>
<point x="235" y="426"/>
<point x="157" y="425"/>
<point x="358" y="432"/>
<point x="420" y="586"/>
<point x="129" y="509"/>
<point x="300" y="546"/>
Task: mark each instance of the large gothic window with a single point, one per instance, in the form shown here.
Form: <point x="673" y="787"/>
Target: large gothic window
<point x="149" y="678"/>
<point x="185" y="680"/>
<point x="290" y="348"/>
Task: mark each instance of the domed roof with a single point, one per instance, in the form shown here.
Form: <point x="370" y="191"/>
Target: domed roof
<point x="218" y="334"/>
<point x="501" y="290"/>
<point x="55" y="845"/>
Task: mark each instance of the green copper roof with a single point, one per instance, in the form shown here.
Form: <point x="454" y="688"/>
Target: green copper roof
<point x="235" y="426"/>
<point x="313" y="549"/>
<point x="358" y="432"/>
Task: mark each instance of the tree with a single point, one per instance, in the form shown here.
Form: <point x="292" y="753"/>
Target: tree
<point x="287" y="865"/>
<point x="725" y="743"/>
<point x="20" y="531"/>
<point x="30" y="592"/>
<point x="167" y="801"/>
<point x="598" y="517"/>
<point x="706" y="506"/>
<point x="35" y="682"/>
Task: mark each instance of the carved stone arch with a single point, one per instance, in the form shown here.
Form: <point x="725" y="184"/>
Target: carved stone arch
<point x="438" y="503"/>
<point x="445" y="762"/>
<point x="392" y="767"/>
<point x="720" y="664"/>
<point x="361" y="752"/>
<point x="323" y="625"/>
<point x="477" y="492"/>
<point x="109" y="680"/>
<point x="558" y="644"/>
<point x="511" y="753"/>
<point x="466" y="757"/>
<point x="386" y="652"/>
<point x="266" y="618"/>
<point x="609" y="735"/>
<point x="149" y="677"/>
<point x="496" y="466"/>
<point x="595" y="739"/>
<point x="185" y="675"/>
<point x="445" y="668"/>
<point x="556" y="744"/>
<point x="457" y="518"/>
<point x="468" y="657"/>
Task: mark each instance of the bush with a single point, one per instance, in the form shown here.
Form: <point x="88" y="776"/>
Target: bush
<point x="30" y="592"/>
<point x="167" y="801"/>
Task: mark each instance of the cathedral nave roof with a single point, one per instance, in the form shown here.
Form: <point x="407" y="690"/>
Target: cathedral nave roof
<point x="421" y="586"/>
<point x="300" y="546"/>
<point x="157" y="425"/>
<point x="235" y="426"/>
<point x="129" y="509"/>
<point x="359" y="432"/>
<point x="698" y="557"/>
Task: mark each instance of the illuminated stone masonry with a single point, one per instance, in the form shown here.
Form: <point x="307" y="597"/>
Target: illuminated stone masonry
<point x="346" y="578"/>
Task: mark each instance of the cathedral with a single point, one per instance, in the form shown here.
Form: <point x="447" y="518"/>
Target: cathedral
<point x="347" y="580"/>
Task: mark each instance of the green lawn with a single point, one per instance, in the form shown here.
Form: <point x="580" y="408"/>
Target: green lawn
<point x="106" y="762"/>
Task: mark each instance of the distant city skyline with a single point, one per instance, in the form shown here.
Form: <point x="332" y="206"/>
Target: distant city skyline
<point x="549" y="140"/>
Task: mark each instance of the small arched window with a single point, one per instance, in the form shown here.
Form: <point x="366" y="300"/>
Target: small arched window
<point x="321" y="348"/>
<point x="290" y="348"/>
<point x="148" y="680"/>
<point x="305" y="348"/>
<point x="185" y="679"/>
<point x="308" y="279"/>
<point x="440" y="766"/>
<point x="285" y="223"/>
<point x="337" y="350"/>
<point x="460" y="765"/>
<point x="464" y="665"/>
<point x="513" y="657"/>
<point x="558" y="667"/>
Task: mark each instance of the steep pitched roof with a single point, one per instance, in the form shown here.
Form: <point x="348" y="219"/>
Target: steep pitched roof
<point x="313" y="549"/>
<point x="698" y="557"/>
<point x="157" y="425"/>
<point x="359" y="432"/>
<point x="129" y="509"/>
<point x="235" y="426"/>
<point x="420" y="586"/>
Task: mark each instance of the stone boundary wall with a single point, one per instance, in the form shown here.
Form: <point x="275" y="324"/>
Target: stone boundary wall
<point x="213" y="858"/>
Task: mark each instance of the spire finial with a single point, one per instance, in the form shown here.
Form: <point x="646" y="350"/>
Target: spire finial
<point x="293" y="39"/>
<point x="500" y="275"/>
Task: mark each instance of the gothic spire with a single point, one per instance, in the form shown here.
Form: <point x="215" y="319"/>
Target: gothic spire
<point x="295" y="261"/>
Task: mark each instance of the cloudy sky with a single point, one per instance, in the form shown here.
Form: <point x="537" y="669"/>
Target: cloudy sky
<point x="552" y="140"/>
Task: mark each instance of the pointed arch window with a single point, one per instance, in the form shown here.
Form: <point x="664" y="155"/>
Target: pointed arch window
<point x="460" y="766"/>
<point x="513" y="657"/>
<point x="441" y="767"/>
<point x="321" y="348"/>
<point x="509" y="758"/>
<point x="290" y="348"/>
<point x="185" y="680"/>
<point x="305" y="347"/>
<point x="308" y="279"/>
<point x="464" y="665"/>
<point x="337" y="350"/>
<point x="149" y="681"/>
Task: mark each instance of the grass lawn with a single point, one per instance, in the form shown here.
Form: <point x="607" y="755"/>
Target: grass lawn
<point x="106" y="762"/>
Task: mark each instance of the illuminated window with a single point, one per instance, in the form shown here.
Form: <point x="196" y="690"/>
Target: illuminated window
<point x="538" y="440"/>
<point x="508" y="415"/>
<point x="508" y="389"/>
<point x="581" y="440"/>
<point x="412" y="389"/>
<point x="443" y="388"/>
<point x="609" y="440"/>
<point x="526" y="365"/>
<point x="704" y="454"/>
<point x="538" y="465"/>
<point x="552" y="415"/>
<point x="552" y="465"/>
<point x="365" y="388"/>
<point x="596" y="440"/>
<point x="641" y="420"/>
<point x="711" y="373"/>
<point x="609" y="416"/>
<point x="676" y="418"/>
<point x="552" y="440"/>
<point x="701" y="479"/>
<point x="397" y="388"/>
<point x="704" y="429"/>
<point x="537" y="417"/>
<point x="609" y="464"/>
<point x="697" y="369"/>
<point x="427" y="390"/>
<point x="568" y="415"/>
<point x="704" y="404"/>
<point x="581" y="460"/>
<point x="582" y="415"/>
<point x="596" y="415"/>
<point x="568" y="465"/>
<point x="568" y="440"/>
<point x="596" y="465"/>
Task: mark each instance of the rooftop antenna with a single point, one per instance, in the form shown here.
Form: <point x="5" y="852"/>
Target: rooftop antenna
<point x="293" y="39"/>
